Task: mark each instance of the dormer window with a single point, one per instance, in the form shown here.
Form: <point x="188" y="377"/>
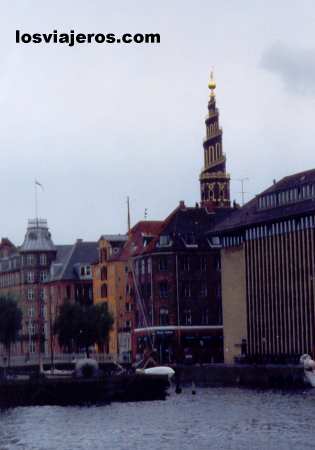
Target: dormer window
<point x="85" y="271"/>
<point x="190" y="240"/>
<point x="214" y="242"/>
<point x="165" y="240"/>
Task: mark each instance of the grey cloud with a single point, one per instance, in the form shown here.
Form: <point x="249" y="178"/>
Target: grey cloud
<point x="295" y="67"/>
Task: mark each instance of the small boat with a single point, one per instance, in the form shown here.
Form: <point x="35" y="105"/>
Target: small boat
<point x="309" y="369"/>
<point x="158" y="370"/>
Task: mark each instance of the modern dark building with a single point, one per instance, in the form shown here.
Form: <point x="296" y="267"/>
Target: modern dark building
<point x="268" y="273"/>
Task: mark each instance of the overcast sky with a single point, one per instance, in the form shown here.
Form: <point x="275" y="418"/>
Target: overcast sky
<point x="95" y="123"/>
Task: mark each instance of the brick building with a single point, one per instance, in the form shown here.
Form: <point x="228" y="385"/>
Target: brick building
<point x="41" y="276"/>
<point x="177" y="289"/>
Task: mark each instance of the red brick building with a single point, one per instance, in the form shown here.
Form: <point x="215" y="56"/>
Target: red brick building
<point x="40" y="276"/>
<point x="177" y="290"/>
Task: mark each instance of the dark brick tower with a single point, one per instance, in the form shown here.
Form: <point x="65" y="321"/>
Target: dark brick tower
<point x="214" y="181"/>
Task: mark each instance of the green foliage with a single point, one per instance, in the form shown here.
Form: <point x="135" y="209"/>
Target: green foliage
<point x="82" y="326"/>
<point x="10" y="321"/>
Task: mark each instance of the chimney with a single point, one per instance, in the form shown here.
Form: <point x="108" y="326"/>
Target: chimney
<point x="182" y="204"/>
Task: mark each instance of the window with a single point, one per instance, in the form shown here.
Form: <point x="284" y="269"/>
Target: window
<point x="187" y="317"/>
<point x="85" y="271"/>
<point x="43" y="311"/>
<point x="164" y="240"/>
<point x="128" y="307"/>
<point x="203" y="289"/>
<point x="163" y="263"/>
<point x="205" y="317"/>
<point x="104" y="290"/>
<point x="217" y="263"/>
<point x="187" y="289"/>
<point x="42" y="294"/>
<point x="149" y="265"/>
<point x="186" y="263"/>
<point x="43" y="260"/>
<point x="32" y="347"/>
<point x="203" y="263"/>
<point x="31" y="311"/>
<point x="31" y="328"/>
<point x="164" y="321"/>
<point x="103" y="254"/>
<point x="68" y="292"/>
<point x="142" y="266"/>
<point x="30" y="276"/>
<point x="104" y="273"/>
<point x="190" y="239"/>
<point x="163" y="289"/>
<point x="30" y="294"/>
<point x="128" y="324"/>
<point x="43" y="276"/>
<point x="30" y="260"/>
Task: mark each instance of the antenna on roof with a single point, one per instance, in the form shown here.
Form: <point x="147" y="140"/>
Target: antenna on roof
<point x="145" y="213"/>
<point x="242" y="181"/>
<point x="128" y="214"/>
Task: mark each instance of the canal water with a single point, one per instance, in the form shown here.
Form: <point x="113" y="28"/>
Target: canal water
<point x="218" y="418"/>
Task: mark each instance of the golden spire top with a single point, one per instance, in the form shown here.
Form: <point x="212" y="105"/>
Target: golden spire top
<point x="212" y="84"/>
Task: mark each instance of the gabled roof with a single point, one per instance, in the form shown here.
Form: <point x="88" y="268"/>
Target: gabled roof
<point x="139" y="235"/>
<point x="114" y="237"/>
<point x="183" y="221"/>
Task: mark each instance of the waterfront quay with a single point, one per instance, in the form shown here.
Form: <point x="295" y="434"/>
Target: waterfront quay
<point x="26" y="386"/>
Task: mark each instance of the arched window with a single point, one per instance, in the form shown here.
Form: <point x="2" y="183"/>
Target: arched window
<point x="104" y="290"/>
<point x="104" y="273"/>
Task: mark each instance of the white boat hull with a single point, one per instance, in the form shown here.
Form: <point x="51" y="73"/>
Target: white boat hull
<point x="159" y="370"/>
<point x="310" y="377"/>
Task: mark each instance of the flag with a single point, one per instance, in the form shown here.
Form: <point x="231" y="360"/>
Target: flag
<point x="39" y="184"/>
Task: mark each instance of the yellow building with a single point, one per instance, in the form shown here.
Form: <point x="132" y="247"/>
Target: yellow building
<point x="109" y="286"/>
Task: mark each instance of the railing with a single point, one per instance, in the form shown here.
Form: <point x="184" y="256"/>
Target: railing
<point x="58" y="358"/>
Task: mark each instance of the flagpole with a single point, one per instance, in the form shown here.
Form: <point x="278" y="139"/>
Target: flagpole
<point x="36" y="204"/>
<point x="128" y="214"/>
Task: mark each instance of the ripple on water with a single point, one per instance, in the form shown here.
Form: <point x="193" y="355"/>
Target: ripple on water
<point x="213" y="419"/>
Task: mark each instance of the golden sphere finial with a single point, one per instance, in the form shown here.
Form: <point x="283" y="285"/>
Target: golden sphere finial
<point x="212" y="84"/>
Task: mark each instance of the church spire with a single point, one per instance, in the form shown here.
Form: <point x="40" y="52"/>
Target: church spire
<point x="214" y="181"/>
<point x="212" y="85"/>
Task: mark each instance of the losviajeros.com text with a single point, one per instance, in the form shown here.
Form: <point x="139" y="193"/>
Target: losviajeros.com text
<point x="72" y="38"/>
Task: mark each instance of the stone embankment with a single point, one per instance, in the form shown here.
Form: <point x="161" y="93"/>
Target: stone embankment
<point x="257" y="376"/>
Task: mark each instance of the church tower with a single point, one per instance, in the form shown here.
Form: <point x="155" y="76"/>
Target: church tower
<point x="214" y="181"/>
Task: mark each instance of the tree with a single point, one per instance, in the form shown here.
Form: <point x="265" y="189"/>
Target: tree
<point x="82" y="326"/>
<point x="10" y="322"/>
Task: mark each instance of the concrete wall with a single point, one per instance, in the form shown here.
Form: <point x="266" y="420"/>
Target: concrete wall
<point x="233" y="301"/>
